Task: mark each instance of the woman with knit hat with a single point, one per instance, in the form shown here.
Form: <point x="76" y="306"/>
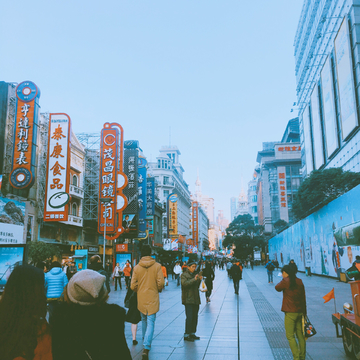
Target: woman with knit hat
<point x="97" y="328"/>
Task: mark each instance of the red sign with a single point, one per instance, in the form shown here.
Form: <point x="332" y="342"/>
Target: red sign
<point x="121" y="247"/>
<point x="195" y="223"/>
<point x="289" y="148"/>
<point x="112" y="180"/>
<point x="282" y="190"/>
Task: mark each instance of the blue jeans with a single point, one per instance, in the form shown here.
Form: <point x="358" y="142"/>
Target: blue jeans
<point x="270" y="276"/>
<point x="148" y="327"/>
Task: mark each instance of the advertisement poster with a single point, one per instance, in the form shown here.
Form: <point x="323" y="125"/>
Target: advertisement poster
<point x="344" y="70"/>
<point x="10" y="256"/>
<point x="122" y="258"/>
<point x="12" y="216"/>
<point x="307" y="140"/>
<point x="329" y="108"/>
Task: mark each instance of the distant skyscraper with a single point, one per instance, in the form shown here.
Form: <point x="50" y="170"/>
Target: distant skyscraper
<point x="233" y="207"/>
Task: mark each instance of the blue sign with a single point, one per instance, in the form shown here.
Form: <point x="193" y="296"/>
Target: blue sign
<point x="150" y="197"/>
<point x="142" y="196"/>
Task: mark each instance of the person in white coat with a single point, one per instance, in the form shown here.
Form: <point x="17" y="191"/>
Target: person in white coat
<point x="177" y="272"/>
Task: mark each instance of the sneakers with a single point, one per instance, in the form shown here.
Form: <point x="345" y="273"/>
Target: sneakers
<point x="145" y="354"/>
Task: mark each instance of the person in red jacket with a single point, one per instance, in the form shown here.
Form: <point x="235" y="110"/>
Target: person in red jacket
<point x="294" y="307"/>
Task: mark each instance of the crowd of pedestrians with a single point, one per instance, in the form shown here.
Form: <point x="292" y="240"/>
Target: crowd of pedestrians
<point x="82" y="325"/>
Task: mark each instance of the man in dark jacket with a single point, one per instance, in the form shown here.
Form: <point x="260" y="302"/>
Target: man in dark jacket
<point x="236" y="274"/>
<point x="96" y="265"/>
<point x="190" y="283"/>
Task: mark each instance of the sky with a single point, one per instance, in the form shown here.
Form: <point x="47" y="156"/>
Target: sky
<point x="218" y="75"/>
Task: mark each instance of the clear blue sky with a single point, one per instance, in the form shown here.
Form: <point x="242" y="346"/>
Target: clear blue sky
<point x="219" y="73"/>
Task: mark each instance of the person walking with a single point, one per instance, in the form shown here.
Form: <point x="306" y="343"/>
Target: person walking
<point x="23" y="328"/>
<point x="164" y="271"/>
<point x="97" y="328"/>
<point x="127" y="274"/>
<point x="270" y="267"/>
<point x="294" y="307"/>
<point x="117" y="276"/>
<point x="133" y="315"/>
<point x="293" y="265"/>
<point x="209" y="276"/>
<point x="177" y="271"/>
<point x="108" y="268"/>
<point x="236" y="275"/>
<point x="228" y="267"/>
<point x="147" y="281"/>
<point x="190" y="297"/>
<point x="96" y="265"/>
<point x="55" y="281"/>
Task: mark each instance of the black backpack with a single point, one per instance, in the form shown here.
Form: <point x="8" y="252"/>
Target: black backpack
<point x="271" y="267"/>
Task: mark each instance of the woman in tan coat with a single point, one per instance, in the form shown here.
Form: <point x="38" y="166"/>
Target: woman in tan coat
<point x="147" y="281"/>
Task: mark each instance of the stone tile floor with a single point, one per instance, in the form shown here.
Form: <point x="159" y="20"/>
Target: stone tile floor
<point x="230" y="327"/>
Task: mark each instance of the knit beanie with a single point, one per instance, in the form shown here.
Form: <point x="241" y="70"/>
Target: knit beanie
<point x="87" y="287"/>
<point x="191" y="263"/>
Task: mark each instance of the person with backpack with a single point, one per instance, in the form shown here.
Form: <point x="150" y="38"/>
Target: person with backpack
<point x="270" y="267"/>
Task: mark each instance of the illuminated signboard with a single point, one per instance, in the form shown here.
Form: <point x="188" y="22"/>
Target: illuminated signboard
<point x="284" y="214"/>
<point x="26" y="123"/>
<point x="112" y="180"/>
<point x="58" y="167"/>
<point x="195" y="222"/>
<point x="142" y="196"/>
<point x="172" y="215"/>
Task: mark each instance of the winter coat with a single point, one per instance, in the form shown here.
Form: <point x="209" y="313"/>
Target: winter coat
<point x="177" y="269"/>
<point x="294" y="300"/>
<point x="43" y="349"/>
<point x="209" y="275"/>
<point x="99" y="268"/>
<point x="95" y="329"/>
<point x="127" y="270"/>
<point x="190" y="288"/>
<point x="133" y="315"/>
<point x="55" y="281"/>
<point x="236" y="272"/>
<point x="163" y="269"/>
<point x="147" y="281"/>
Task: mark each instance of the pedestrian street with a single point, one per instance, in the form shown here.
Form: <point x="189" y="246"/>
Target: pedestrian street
<point x="248" y="327"/>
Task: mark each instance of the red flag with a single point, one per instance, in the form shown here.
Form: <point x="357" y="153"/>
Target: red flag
<point x="329" y="296"/>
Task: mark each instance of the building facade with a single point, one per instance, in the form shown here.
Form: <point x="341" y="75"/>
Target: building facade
<point x="253" y="196"/>
<point x="327" y="68"/>
<point x="169" y="179"/>
<point x="233" y="207"/>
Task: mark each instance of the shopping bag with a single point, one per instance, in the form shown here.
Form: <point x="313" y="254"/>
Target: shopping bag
<point x="203" y="287"/>
<point x="309" y="329"/>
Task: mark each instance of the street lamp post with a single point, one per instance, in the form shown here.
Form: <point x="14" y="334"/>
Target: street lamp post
<point x="104" y="201"/>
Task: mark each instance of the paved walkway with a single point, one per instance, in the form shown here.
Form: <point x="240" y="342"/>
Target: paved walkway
<point x="246" y="327"/>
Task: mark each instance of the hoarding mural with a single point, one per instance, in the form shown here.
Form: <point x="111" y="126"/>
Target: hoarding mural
<point x="326" y="241"/>
<point x="131" y="190"/>
<point x="25" y="136"/>
<point x="9" y="258"/>
<point x="58" y="168"/>
<point x="330" y="125"/>
<point x="345" y="79"/>
<point x="142" y="196"/>
<point x="12" y="217"/>
<point x="112" y="180"/>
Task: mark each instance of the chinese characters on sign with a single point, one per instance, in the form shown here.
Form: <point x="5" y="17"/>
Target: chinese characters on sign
<point x="172" y="215"/>
<point x="282" y="190"/>
<point x="142" y="196"/>
<point x="289" y="148"/>
<point x="195" y="216"/>
<point x="27" y="107"/>
<point x="111" y="181"/>
<point x="58" y="176"/>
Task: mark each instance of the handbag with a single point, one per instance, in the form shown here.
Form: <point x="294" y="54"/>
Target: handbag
<point x="309" y="329"/>
<point x="203" y="287"/>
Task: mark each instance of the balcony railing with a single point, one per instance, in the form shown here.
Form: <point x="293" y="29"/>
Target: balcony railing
<point x="75" y="220"/>
<point x="76" y="191"/>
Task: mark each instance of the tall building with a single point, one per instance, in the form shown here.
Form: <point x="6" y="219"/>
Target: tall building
<point x="242" y="207"/>
<point x="233" y="207"/>
<point x="253" y="197"/>
<point x="168" y="174"/>
<point x="327" y="52"/>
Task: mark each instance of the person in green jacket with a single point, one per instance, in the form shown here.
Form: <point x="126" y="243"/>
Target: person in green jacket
<point x="190" y="283"/>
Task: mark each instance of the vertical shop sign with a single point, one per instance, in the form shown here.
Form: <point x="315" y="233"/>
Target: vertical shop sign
<point x="150" y="201"/>
<point x="58" y="168"/>
<point x="142" y="196"/>
<point x="195" y="221"/>
<point x="112" y="180"/>
<point x="26" y="123"/>
<point x="130" y="217"/>
<point x="284" y="215"/>
<point x="172" y="215"/>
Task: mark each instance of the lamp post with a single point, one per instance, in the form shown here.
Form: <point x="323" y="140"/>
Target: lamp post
<point x="105" y="201"/>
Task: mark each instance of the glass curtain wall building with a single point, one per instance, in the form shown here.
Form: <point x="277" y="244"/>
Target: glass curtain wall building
<point x="327" y="68"/>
